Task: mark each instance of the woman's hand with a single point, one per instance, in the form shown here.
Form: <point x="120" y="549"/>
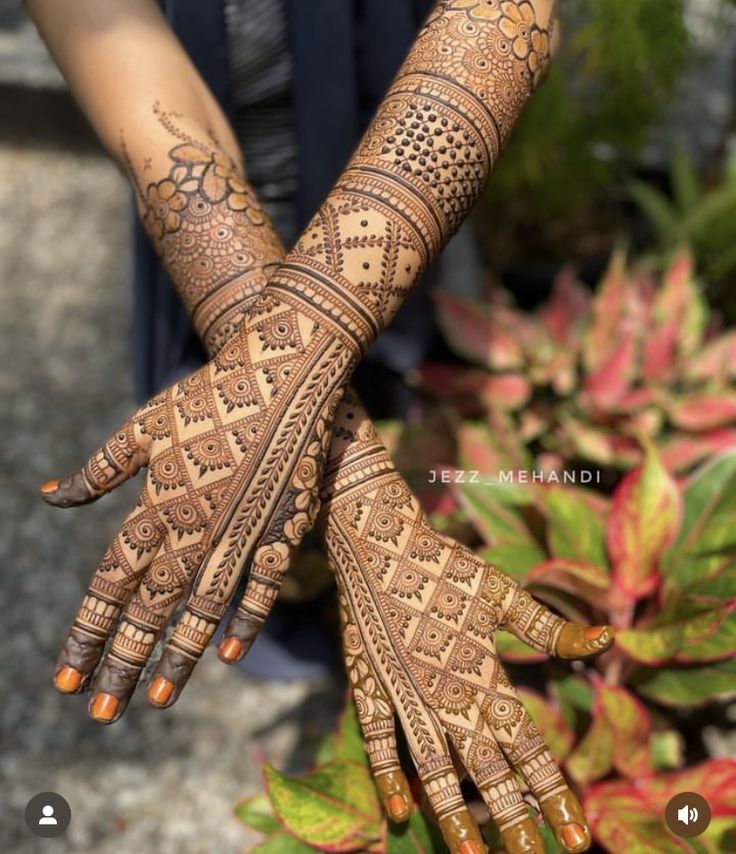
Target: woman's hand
<point x="419" y="614"/>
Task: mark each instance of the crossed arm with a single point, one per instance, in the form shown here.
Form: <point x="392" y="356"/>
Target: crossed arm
<point x="419" y="610"/>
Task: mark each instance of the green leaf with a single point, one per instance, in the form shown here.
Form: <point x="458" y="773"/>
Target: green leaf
<point x="349" y="743"/>
<point x="551" y="845"/>
<point x="510" y="648"/>
<point x="281" y="843"/>
<point x="417" y="836"/>
<point x="513" y="548"/>
<point x="257" y="813"/>
<point x="687" y="686"/>
<point x="575" y="530"/>
<point x="699" y="638"/>
<point x="668" y="750"/>
<point x="657" y="209"/>
<point x="709" y="505"/>
<point x="574" y="694"/>
<point x="334" y="807"/>
<point x="684" y="180"/>
<point x="548" y="717"/>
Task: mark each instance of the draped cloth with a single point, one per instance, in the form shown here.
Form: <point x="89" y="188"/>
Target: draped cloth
<point x="345" y="54"/>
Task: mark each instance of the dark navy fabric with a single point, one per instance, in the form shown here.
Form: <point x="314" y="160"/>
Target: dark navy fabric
<point x="345" y="55"/>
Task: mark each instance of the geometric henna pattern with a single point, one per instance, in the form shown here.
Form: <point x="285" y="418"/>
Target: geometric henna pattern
<point x="234" y="453"/>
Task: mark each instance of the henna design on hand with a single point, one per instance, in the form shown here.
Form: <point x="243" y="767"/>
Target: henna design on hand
<point x="378" y="297"/>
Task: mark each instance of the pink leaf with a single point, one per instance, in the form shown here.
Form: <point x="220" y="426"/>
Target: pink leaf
<point x="567" y="307"/>
<point x="703" y="411"/>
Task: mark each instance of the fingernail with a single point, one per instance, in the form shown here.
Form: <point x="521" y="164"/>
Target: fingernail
<point x="230" y="649"/>
<point x="67" y="680"/>
<point x="470" y="846"/>
<point x="595" y="632"/>
<point x="573" y="835"/>
<point x="49" y="487"/>
<point x="398" y="808"/>
<point x="160" y="691"/>
<point x="104" y="707"/>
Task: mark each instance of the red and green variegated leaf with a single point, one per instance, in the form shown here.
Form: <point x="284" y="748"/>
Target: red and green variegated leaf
<point x="548" y="717"/>
<point x="630" y="726"/>
<point x="515" y="651"/>
<point x="715" y="363"/>
<point x="688" y="687"/>
<point x="676" y="322"/>
<point x="704" y="547"/>
<point x="703" y="411"/>
<point x="593" y="756"/>
<point x="587" y="442"/>
<point x="698" y="638"/>
<point x="574" y="694"/>
<point x="587" y="581"/>
<point x="477" y="449"/>
<point x="505" y="391"/>
<point x="473" y="331"/>
<point x="606" y="387"/>
<point x="636" y="399"/>
<point x="611" y="308"/>
<point x="713" y="590"/>
<point x="574" y="529"/>
<point x="417" y="836"/>
<point x="616" y="809"/>
<point x="682" y="451"/>
<point x="622" y="821"/>
<point x="645" y="518"/>
<point x="566" y="310"/>
<point x="714" y="779"/>
<point x="334" y="808"/>
<point x="257" y="813"/>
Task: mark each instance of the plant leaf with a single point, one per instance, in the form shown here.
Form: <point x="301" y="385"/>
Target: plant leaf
<point x="645" y="517"/>
<point x="335" y="807"/>
<point x="281" y="843"/>
<point x="475" y="333"/>
<point x="558" y="737"/>
<point x="629" y="723"/>
<point x="588" y="582"/>
<point x="702" y="411"/>
<point x="349" y="742"/>
<point x="575" y="530"/>
<point x="501" y="526"/>
<point x="593" y="756"/>
<point x="257" y="813"/>
<point x="416" y="836"/>
<point x="709" y="504"/>
<point x="698" y="638"/>
<point x="513" y="650"/>
<point x="687" y="686"/>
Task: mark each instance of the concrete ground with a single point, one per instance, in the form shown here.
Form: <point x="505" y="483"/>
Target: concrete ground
<point x="163" y="782"/>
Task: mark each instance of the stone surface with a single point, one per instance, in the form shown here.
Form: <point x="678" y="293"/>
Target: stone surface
<point x="163" y="782"/>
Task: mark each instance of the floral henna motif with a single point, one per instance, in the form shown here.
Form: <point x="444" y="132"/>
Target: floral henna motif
<point x="379" y="228"/>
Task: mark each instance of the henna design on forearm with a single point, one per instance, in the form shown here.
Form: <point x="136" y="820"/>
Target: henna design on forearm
<point x="320" y="288"/>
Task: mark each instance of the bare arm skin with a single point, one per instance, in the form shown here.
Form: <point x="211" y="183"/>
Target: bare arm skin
<point x="225" y="286"/>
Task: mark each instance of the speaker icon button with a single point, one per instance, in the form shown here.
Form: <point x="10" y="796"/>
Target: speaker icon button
<point x="687" y="814"/>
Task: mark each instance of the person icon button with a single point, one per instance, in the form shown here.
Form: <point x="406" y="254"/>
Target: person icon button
<point x="48" y="814"/>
